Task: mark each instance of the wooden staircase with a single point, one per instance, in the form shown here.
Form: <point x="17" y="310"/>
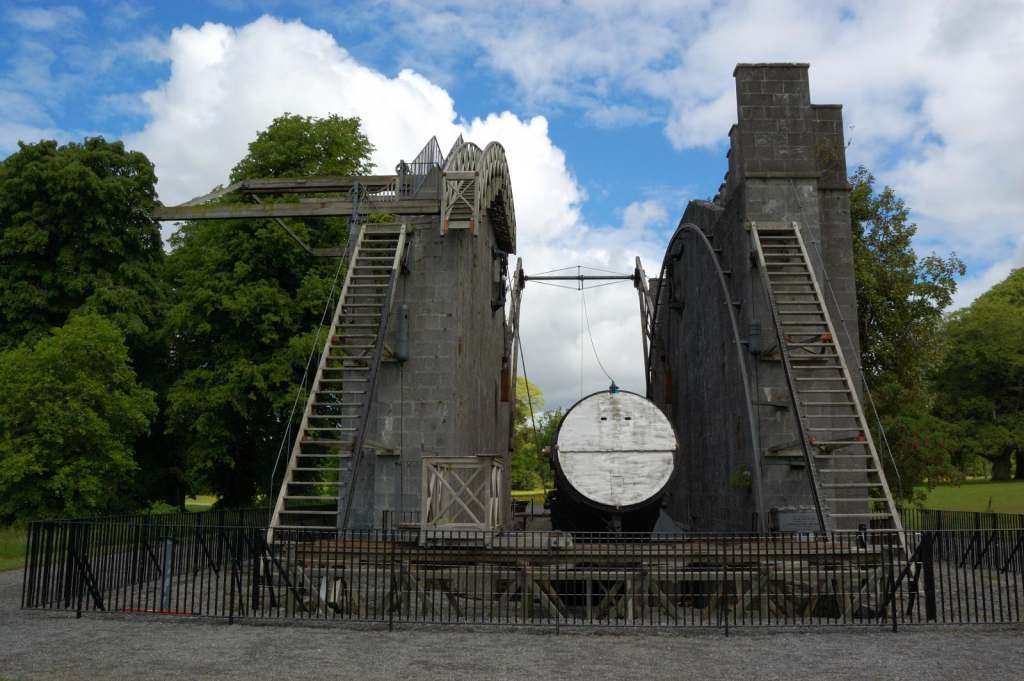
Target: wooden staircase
<point x="314" y="494"/>
<point x="847" y="479"/>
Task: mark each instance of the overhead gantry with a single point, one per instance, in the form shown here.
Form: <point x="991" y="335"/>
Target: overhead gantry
<point x="467" y="188"/>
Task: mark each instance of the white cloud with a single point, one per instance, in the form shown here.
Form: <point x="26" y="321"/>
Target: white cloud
<point x="932" y="90"/>
<point x="618" y="115"/>
<point x="45" y="18"/>
<point x="12" y="133"/>
<point x="226" y="84"/>
<point x="976" y="284"/>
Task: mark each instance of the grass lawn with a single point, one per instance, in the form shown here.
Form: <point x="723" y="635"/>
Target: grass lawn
<point x="537" y="495"/>
<point x="12" y="547"/>
<point x="203" y="502"/>
<point x="975" y="495"/>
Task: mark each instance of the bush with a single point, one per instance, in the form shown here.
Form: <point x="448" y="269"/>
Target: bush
<point x="70" y="411"/>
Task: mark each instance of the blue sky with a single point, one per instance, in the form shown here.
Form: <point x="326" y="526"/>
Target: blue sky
<point x="614" y="113"/>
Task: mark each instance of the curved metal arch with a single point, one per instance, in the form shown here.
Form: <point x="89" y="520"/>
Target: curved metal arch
<point x="495" y="191"/>
<point x="755" y="467"/>
<point x="462" y="157"/>
<point x="491" y="189"/>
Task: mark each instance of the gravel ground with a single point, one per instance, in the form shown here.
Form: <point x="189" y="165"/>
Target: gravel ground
<point x="38" y="645"/>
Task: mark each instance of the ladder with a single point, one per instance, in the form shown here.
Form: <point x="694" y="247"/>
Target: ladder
<point x="847" y="480"/>
<point x="313" y="494"/>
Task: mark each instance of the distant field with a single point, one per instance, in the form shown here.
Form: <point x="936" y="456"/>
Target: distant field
<point x="978" y="495"/>
<point x="203" y="502"/>
<point x="537" y="495"/>
<point x="12" y="547"/>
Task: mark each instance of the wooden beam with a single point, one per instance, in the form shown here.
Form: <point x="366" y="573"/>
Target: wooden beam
<point x="306" y="185"/>
<point x="323" y="208"/>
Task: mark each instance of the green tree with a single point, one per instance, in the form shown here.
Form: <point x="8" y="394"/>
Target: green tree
<point x="901" y="299"/>
<point x="981" y="378"/>
<point x="247" y="309"/>
<point x="70" y="412"/>
<point x="535" y="430"/>
<point x="74" y="233"/>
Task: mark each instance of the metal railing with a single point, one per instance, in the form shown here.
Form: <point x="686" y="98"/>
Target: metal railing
<point x="199" y="568"/>
<point x="989" y="539"/>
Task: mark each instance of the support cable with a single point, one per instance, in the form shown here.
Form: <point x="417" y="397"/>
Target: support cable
<point x="529" y="398"/>
<point x="863" y="376"/>
<point x="581" y="338"/>
<point x="286" y="438"/>
<point x="586" y="315"/>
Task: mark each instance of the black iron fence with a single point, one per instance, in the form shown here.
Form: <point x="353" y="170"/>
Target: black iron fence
<point x="981" y="539"/>
<point x="200" y="568"/>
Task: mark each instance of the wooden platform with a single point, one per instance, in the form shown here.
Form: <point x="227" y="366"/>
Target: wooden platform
<point x="537" y="549"/>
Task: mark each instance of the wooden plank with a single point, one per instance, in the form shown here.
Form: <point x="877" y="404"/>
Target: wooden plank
<point x="318" y="208"/>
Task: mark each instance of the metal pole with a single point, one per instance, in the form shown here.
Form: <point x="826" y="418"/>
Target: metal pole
<point x="579" y="277"/>
<point x="166" y="570"/>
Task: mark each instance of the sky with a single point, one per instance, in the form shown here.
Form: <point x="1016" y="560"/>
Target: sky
<point x="613" y="115"/>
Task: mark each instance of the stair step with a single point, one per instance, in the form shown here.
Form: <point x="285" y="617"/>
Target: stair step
<point x="847" y="470"/>
<point x="331" y="483"/>
<point x="305" y="527"/>
<point x="876" y="514"/>
<point x="297" y="511"/>
<point x="320" y="456"/>
<point x="325" y="442"/>
<point x="838" y="485"/>
<point x="308" y="498"/>
<point x="827" y="416"/>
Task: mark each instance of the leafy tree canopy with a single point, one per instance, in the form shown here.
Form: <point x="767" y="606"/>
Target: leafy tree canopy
<point x="981" y="378"/>
<point x="302" y="146"/>
<point x="530" y="465"/>
<point x="70" y="411"/>
<point x="901" y="296"/>
<point x="75" y="232"/>
<point x="901" y="299"/>
<point x="249" y="302"/>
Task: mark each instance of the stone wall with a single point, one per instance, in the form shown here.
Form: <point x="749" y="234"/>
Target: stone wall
<point x="786" y="163"/>
<point x="444" y="400"/>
